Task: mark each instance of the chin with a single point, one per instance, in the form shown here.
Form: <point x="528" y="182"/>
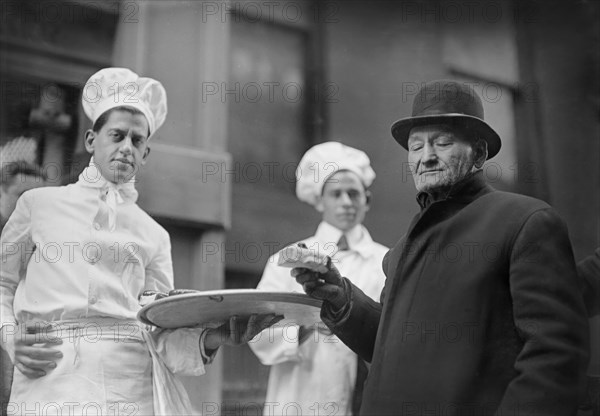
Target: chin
<point x="125" y="178"/>
<point x="127" y="172"/>
<point x="429" y="186"/>
<point x="424" y="187"/>
<point x="345" y="226"/>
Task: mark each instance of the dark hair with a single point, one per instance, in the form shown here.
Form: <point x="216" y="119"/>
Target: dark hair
<point x="11" y="169"/>
<point x="101" y="121"/>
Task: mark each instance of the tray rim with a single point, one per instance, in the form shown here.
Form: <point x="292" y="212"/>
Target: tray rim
<point x="307" y="300"/>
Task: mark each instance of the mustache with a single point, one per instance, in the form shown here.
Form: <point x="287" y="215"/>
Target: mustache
<point x="437" y="167"/>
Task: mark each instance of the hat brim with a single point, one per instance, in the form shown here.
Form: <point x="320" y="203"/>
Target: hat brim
<point x="401" y="128"/>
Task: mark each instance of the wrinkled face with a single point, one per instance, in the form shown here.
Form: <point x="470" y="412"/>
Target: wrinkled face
<point x="11" y="192"/>
<point x="344" y="201"/>
<point x="120" y="148"/>
<point x="439" y="156"/>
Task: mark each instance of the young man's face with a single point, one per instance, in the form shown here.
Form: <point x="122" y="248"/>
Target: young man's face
<point x="439" y="156"/>
<point x="120" y="148"/>
<point x="344" y="201"/>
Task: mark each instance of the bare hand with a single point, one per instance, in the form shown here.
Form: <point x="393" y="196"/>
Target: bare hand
<point x="239" y="331"/>
<point x="30" y="350"/>
<point x="328" y="286"/>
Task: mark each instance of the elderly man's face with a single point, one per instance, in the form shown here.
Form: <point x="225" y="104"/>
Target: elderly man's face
<point x="439" y="156"/>
<point x="344" y="201"/>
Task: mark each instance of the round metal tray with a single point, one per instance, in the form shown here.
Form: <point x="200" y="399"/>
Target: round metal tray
<point x="216" y="306"/>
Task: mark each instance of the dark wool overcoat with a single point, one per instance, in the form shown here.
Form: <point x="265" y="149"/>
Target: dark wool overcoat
<point x="589" y="271"/>
<point x="481" y="314"/>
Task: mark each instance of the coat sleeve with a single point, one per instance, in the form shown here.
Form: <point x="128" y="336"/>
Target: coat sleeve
<point x="179" y="349"/>
<point x="550" y="318"/>
<point x="17" y="248"/>
<point x="159" y="270"/>
<point x="357" y="324"/>
<point x="588" y="270"/>
<point x="279" y="343"/>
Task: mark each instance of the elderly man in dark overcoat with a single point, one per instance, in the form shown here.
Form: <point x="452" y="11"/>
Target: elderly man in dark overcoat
<point x="482" y="312"/>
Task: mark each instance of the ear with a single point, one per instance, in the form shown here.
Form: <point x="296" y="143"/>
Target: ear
<point x="145" y="155"/>
<point x="319" y="205"/>
<point x="480" y="153"/>
<point x="90" y="136"/>
<point x="368" y="196"/>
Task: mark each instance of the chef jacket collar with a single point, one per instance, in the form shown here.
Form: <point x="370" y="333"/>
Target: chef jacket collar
<point x="358" y="237"/>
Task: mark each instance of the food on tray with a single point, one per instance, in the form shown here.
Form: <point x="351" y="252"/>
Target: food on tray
<point x="301" y="256"/>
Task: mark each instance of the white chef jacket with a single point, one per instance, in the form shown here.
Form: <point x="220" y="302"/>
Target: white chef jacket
<point x="318" y="376"/>
<point x="61" y="263"/>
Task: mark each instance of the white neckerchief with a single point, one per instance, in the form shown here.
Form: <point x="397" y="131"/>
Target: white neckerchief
<point x="358" y="238"/>
<point x="110" y="194"/>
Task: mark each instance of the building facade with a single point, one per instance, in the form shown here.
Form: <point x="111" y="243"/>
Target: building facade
<point x="253" y="84"/>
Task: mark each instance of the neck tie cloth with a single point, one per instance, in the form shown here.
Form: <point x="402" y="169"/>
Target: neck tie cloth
<point x="343" y="243"/>
<point x="110" y="194"/>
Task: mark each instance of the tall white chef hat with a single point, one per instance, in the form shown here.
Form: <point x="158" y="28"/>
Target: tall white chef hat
<point x="325" y="159"/>
<point x="115" y="87"/>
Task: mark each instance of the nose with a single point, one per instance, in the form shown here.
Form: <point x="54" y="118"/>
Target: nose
<point x="126" y="144"/>
<point x="429" y="155"/>
<point x="345" y="199"/>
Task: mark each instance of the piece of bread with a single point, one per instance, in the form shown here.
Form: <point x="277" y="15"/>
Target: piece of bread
<point x="297" y="256"/>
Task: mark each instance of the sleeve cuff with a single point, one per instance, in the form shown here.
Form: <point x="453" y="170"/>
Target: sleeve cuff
<point x="277" y="344"/>
<point x="207" y="358"/>
<point x="333" y="316"/>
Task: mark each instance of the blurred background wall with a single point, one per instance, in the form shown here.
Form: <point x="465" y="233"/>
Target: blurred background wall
<point x="253" y="84"/>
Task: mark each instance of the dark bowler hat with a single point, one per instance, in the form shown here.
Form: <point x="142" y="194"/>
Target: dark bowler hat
<point x="448" y="102"/>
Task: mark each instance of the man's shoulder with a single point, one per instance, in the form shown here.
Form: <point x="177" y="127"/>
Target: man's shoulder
<point x="379" y="249"/>
<point x="503" y="199"/>
<point x="514" y="210"/>
<point x="46" y="193"/>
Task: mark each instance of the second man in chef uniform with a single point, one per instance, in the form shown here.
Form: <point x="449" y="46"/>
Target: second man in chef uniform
<point x="312" y="371"/>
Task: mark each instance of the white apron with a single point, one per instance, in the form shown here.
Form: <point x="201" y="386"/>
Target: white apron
<point x="109" y="367"/>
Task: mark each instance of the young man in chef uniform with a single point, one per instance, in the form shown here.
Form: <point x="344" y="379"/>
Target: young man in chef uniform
<point x="75" y="261"/>
<point x="312" y="371"/>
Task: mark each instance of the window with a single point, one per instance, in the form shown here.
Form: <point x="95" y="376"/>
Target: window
<point x="270" y="96"/>
<point x="38" y="122"/>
